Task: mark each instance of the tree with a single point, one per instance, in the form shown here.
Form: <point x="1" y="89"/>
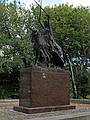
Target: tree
<point x="15" y="42"/>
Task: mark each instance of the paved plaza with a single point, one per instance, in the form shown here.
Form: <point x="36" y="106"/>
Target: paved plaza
<point x="7" y="113"/>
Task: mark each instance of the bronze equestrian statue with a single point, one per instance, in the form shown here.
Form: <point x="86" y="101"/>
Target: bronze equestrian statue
<point x="47" y="51"/>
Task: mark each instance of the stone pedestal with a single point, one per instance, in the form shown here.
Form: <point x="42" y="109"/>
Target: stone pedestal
<point x="43" y="90"/>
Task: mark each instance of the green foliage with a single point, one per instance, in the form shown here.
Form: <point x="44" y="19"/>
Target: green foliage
<point x="15" y="46"/>
<point x="9" y="92"/>
<point x="82" y="83"/>
<point x="15" y="40"/>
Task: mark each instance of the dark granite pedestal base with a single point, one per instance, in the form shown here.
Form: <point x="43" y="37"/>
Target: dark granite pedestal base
<point x="44" y="90"/>
<point x="43" y="109"/>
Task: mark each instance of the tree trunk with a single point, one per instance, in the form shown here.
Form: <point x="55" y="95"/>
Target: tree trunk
<point x="73" y="79"/>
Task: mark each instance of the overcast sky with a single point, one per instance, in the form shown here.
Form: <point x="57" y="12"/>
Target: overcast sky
<point x="53" y="2"/>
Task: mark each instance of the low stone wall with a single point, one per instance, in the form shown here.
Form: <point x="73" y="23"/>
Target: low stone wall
<point x="16" y="101"/>
<point x="80" y="101"/>
<point x="8" y="103"/>
<point x="9" y="100"/>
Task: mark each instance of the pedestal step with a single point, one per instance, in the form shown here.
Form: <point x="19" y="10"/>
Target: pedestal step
<point x="43" y="109"/>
